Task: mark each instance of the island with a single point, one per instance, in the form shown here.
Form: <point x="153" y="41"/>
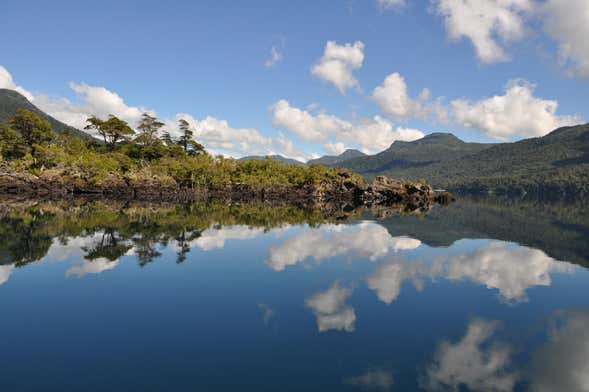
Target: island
<point x="150" y="164"/>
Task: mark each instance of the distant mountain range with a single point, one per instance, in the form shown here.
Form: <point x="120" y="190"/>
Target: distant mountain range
<point x="278" y="158"/>
<point x="553" y="165"/>
<point x="335" y="159"/>
<point x="11" y="100"/>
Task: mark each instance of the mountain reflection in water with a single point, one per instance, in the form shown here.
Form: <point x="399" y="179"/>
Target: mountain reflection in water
<point x="480" y="295"/>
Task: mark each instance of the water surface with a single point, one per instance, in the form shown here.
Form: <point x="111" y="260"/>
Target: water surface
<point x="480" y="295"/>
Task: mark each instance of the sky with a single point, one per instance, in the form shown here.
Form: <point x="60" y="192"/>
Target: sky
<point x="305" y="78"/>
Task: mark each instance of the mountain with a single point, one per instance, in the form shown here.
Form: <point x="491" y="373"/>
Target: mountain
<point x="279" y="158"/>
<point x="553" y="165"/>
<point x="11" y="100"/>
<point x="431" y="149"/>
<point x="330" y="160"/>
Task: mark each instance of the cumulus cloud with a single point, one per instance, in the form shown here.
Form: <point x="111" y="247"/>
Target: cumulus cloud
<point x="6" y="81"/>
<point x="393" y="99"/>
<point x="516" y="113"/>
<point x="369" y="135"/>
<point x="390" y="4"/>
<point x="330" y="309"/>
<point x="373" y="379"/>
<point x="275" y="57"/>
<point x="338" y="63"/>
<point x="218" y="135"/>
<point x="92" y="100"/>
<point x="474" y="362"/>
<point x="562" y="364"/>
<point x="568" y="23"/>
<point x="486" y="23"/>
<point x="366" y="240"/>
<point x="506" y="267"/>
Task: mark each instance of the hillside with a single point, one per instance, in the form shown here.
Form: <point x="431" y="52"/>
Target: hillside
<point x="329" y="160"/>
<point x="432" y="149"/>
<point x="278" y="158"/>
<point x="553" y="165"/>
<point x="11" y="100"/>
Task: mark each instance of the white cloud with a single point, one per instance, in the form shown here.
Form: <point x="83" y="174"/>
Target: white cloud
<point x="472" y="362"/>
<point x="503" y="266"/>
<point x="7" y="82"/>
<point x="374" y="379"/>
<point x="369" y="135"/>
<point x="93" y="101"/>
<point x="364" y="240"/>
<point x="390" y="4"/>
<point x="562" y="364"/>
<point x="338" y="63"/>
<point x="393" y="99"/>
<point x="568" y="23"/>
<point x="275" y="57"/>
<point x="330" y="309"/>
<point x="220" y="137"/>
<point x="485" y="22"/>
<point x="517" y="113"/>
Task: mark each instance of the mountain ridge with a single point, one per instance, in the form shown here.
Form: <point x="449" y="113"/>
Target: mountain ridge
<point x="11" y="101"/>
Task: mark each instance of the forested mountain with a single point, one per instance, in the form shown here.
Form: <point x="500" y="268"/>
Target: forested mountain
<point x="553" y="165"/>
<point x="335" y="159"/>
<point x="278" y="158"/>
<point x="11" y="101"/>
<point x="433" y="148"/>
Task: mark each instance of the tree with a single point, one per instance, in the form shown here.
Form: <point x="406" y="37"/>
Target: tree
<point x="112" y="130"/>
<point x="167" y="139"/>
<point x="186" y="140"/>
<point x="10" y="145"/>
<point x="149" y="127"/>
<point x="33" y="129"/>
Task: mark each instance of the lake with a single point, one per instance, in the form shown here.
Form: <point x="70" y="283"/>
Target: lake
<point x="481" y="295"/>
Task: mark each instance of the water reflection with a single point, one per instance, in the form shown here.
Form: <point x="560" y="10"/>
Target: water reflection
<point x="363" y="240"/>
<point x="562" y="364"/>
<point x="475" y="361"/>
<point x="330" y="309"/>
<point x="509" y="268"/>
<point x="373" y="379"/>
<point x="326" y="326"/>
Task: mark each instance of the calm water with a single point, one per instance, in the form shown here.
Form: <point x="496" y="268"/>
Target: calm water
<point x="481" y="296"/>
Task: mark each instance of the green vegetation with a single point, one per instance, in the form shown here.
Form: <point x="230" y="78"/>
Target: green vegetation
<point x="151" y="156"/>
<point x="553" y="166"/>
<point x="11" y="101"/>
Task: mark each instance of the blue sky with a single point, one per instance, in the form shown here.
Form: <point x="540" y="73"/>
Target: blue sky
<point x="208" y="61"/>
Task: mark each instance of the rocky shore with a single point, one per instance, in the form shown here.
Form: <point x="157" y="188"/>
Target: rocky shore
<point x="343" y="189"/>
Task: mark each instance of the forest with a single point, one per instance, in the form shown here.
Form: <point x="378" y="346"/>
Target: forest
<point x="147" y="154"/>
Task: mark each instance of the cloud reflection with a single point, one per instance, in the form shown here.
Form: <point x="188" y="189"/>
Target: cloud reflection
<point x="475" y="362"/>
<point x="364" y="240"/>
<point x="562" y="364"/>
<point x="374" y="379"/>
<point x="330" y="309"/>
<point x="509" y="268"/>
